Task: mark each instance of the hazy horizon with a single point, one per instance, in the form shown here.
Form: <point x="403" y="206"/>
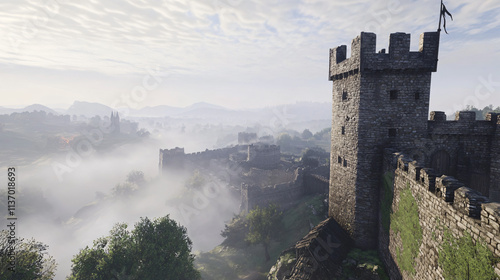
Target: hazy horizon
<point x="232" y="53"/>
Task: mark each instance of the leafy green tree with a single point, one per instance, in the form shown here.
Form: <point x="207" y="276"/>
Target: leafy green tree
<point x="306" y="134"/>
<point x="136" y="177"/>
<point x="31" y="259"/>
<point x="123" y="190"/>
<point x="323" y="134"/>
<point x="264" y="224"/>
<point x="196" y="181"/>
<point x="158" y="249"/>
<point x="235" y="231"/>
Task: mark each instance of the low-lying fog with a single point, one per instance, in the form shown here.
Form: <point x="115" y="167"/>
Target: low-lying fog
<point x="69" y="214"/>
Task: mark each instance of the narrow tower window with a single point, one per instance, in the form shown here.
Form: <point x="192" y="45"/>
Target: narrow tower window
<point x="392" y="132"/>
<point x="344" y="95"/>
<point x="343" y="130"/>
<point x="345" y="163"/>
<point x="339" y="159"/>
<point x="417" y="95"/>
<point x="393" y="94"/>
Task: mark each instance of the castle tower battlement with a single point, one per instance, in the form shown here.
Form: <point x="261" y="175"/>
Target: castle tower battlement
<point x="379" y="100"/>
<point x="399" y="58"/>
<point x="171" y="159"/>
<point x="264" y="156"/>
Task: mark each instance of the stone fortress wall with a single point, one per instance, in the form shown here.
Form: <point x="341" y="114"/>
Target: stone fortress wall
<point x="253" y="156"/>
<point x="285" y="195"/>
<point x="381" y="101"/>
<point x="465" y="148"/>
<point x="443" y="202"/>
<point x="264" y="156"/>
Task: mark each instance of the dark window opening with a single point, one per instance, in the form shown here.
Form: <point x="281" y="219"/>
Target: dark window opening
<point x="343" y="130"/>
<point x="344" y="95"/>
<point x="345" y="163"/>
<point x="393" y="94"/>
<point x="417" y="95"/>
<point x="339" y="159"/>
<point x="392" y="132"/>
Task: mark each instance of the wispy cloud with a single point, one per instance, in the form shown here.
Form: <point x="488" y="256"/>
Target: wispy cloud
<point x="219" y="38"/>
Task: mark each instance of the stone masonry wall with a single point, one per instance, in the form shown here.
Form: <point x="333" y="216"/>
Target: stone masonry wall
<point x="264" y="156"/>
<point x="284" y="195"/>
<point x="379" y="100"/>
<point x="442" y="201"/>
<point x="470" y="148"/>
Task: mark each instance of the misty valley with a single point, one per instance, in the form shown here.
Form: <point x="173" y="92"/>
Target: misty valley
<point x="83" y="172"/>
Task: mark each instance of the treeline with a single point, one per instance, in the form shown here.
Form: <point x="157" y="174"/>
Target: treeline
<point x="481" y="113"/>
<point x="34" y="117"/>
<point x="294" y="142"/>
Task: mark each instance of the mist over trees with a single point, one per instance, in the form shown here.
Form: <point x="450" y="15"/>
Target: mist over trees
<point x="158" y="249"/>
<point x="97" y="189"/>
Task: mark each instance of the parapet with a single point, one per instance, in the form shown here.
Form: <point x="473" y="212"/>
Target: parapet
<point x="465" y="123"/>
<point x="364" y="58"/>
<point x="172" y="158"/>
<point x="465" y="200"/>
<point x="172" y="152"/>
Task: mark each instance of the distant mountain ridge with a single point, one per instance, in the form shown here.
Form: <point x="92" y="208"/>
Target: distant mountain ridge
<point x="300" y="111"/>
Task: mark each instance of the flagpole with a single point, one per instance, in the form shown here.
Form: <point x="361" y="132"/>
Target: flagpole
<point x="440" y="15"/>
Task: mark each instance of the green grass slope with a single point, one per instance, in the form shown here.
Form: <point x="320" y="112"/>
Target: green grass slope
<point x="238" y="260"/>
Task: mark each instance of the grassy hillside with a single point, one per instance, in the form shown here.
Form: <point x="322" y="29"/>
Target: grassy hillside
<point x="235" y="259"/>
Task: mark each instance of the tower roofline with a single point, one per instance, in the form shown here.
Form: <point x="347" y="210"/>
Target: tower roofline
<point x="399" y="58"/>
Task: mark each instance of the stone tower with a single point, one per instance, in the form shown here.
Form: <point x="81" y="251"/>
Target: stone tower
<point x="115" y="123"/>
<point x="380" y="100"/>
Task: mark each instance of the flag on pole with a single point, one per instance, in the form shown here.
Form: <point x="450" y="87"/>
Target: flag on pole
<point x="443" y="14"/>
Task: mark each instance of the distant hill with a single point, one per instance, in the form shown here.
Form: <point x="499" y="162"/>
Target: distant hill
<point x="88" y="109"/>
<point x="30" y="108"/>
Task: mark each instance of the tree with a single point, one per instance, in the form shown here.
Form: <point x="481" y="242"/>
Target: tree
<point x="264" y="225"/>
<point x="196" y="181"/>
<point x="31" y="259"/>
<point x="306" y="134"/>
<point x="158" y="249"/>
<point x="136" y="177"/>
<point x="323" y="134"/>
<point x="123" y="190"/>
<point x="284" y="140"/>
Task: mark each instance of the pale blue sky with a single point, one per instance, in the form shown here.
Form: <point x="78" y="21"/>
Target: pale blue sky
<point x="233" y="53"/>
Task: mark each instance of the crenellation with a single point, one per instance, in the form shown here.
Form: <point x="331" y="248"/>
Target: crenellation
<point x="428" y="179"/>
<point x="469" y="201"/>
<point x="491" y="117"/>
<point x="463" y="124"/>
<point x="399" y="46"/>
<point x="264" y="156"/>
<point x="465" y="116"/>
<point x="438" y="116"/>
<point x="446" y="186"/>
<point x="403" y="163"/>
<point x="414" y="170"/>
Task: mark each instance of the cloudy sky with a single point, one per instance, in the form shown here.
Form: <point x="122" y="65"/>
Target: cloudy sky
<point x="234" y="53"/>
